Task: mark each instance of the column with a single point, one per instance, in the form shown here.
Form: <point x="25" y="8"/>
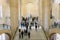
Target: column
<point x="59" y="12"/>
<point x="20" y="13"/>
<point x="13" y="15"/>
<point x="43" y="13"/>
<point x="46" y="15"/>
<point x="40" y="11"/>
<point x="48" y="18"/>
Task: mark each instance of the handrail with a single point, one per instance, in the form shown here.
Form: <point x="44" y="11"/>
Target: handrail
<point x="52" y="26"/>
<point x="14" y="34"/>
<point x="45" y="33"/>
<point x="4" y="27"/>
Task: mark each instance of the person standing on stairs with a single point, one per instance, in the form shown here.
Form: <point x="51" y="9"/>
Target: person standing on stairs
<point x="19" y="33"/>
<point x="22" y="33"/>
<point x="35" y="26"/>
<point x="29" y="33"/>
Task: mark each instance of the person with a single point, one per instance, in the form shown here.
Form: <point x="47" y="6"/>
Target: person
<point x="28" y="33"/>
<point x="55" y="24"/>
<point x="36" y="26"/>
<point x="30" y="27"/>
<point x="26" y="24"/>
<point x="19" y="33"/>
<point x="22" y="34"/>
<point x="25" y="32"/>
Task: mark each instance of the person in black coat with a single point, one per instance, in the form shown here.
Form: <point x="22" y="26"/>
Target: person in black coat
<point x="22" y="34"/>
<point x="30" y="27"/>
<point x="19" y="33"/>
<point x="35" y="26"/>
<point x="29" y="34"/>
<point x="26" y="24"/>
<point x="25" y="32"/>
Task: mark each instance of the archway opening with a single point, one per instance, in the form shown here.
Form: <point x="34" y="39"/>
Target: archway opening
<point x="4" y="36"/>
<point x="55" y="36"/>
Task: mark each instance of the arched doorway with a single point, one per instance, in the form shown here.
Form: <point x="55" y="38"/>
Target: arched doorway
<point x="4" y="36"/>
<point x="55" y="36"/>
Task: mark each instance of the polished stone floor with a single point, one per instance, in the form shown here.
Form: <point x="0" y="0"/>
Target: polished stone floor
<point x="35" y="35"/>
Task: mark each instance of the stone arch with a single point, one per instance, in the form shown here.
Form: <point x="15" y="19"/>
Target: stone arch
<point x="54" y="36"/>
<point x="51" y="35"/>
<point x="7" y="36"/>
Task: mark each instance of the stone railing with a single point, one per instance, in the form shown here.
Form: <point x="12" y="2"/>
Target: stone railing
<point x="55" y="26"/>
<point x="4" y="27"/>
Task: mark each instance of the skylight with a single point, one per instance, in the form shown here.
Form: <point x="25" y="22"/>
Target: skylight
<point x="57" y="1"/>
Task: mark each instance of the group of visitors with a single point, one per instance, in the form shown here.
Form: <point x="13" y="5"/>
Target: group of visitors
<point x="25" y="23"/>
<point x="23" y="33"/>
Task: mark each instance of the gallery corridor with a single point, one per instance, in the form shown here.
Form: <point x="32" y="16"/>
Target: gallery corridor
<point x="30" y="13"/>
